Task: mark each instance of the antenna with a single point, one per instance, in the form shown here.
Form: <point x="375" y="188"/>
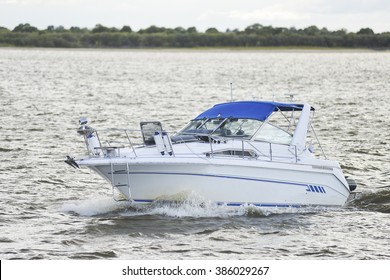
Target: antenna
<point x="290" y="96"/>
<point x="231" y="92"/>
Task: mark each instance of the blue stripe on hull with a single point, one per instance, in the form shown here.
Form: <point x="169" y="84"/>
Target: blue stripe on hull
<point x="234" y="203"/>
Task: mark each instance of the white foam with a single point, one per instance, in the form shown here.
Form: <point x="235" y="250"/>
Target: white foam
<point x="94" y="206"/>
<point x="188" y="204"/>
<point x="181" y="205"/>
<point x="195" y="206"/>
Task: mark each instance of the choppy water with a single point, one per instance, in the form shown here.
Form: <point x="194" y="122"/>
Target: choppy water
<point x="50" y="211"/>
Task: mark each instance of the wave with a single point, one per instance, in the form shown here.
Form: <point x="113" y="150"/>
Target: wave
<point x="94" y="206"/>
<point x="376" y="201"/>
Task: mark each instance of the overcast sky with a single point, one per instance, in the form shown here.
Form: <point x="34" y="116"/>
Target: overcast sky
<point x="221" y="14"/>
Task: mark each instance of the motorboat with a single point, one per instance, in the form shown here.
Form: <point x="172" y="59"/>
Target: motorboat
<point x="257" y="153"/>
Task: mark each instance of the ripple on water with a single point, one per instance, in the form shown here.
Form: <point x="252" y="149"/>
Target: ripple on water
<point x="56" y="212"/>
<point x="375" y="201"/>
<point x="94" y="255"/>
<point x="5" y="240"/>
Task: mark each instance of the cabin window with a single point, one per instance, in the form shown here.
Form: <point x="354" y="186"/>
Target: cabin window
<point x="234" y="153"/>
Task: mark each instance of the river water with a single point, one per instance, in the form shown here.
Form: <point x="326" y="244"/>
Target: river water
<point x="50" y="211"/>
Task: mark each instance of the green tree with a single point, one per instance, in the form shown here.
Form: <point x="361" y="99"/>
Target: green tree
<point x="126" y="28"/>
<point x="153" y="29"/>
<point x="50" y="28"/>
<point x="60" y="28"/>
<point x="253" y="29"/>
<point x="192" y="30"/>
<point x="100" y="28"/>
<point x="212" y="30"/>
<point x="75" y="29"/>
<point x="179" y="30"/>
<point x="311" y="30"/>
<point x="340" y="32"/>
<point x="25" y="28"/>
<point x="365" y="31"/>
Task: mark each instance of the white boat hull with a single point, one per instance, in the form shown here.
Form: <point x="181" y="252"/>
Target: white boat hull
<point x="231" y="183"/>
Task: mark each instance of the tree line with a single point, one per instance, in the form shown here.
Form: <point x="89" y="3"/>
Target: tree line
<point x="256" y="35"/>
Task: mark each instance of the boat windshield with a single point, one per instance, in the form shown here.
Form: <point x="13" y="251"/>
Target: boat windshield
<point x="238" y="128"/>
<point x="229" y="127"/>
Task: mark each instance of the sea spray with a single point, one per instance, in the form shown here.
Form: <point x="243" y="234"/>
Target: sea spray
<point x="94" y="206"/>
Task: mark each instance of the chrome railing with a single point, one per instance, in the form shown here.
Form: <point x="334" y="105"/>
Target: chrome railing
<point x="248" y="148"/>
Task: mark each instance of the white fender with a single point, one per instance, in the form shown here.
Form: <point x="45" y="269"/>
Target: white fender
<point x="158" y="139"/>
<point x="93" y="144"/>
<point x="167" y="143"/>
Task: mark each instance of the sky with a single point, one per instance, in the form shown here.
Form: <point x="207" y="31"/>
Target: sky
<point x="351" y="15"/>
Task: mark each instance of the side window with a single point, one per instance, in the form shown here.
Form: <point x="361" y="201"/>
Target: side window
<point x="274" y="134"/>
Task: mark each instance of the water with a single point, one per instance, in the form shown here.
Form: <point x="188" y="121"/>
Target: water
<point x="51" y="211"/>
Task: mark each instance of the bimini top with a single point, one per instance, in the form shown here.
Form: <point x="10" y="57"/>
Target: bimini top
<point x="258" y="110"/>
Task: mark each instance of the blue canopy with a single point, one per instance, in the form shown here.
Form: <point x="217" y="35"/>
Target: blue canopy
<point x="258" y="110"/>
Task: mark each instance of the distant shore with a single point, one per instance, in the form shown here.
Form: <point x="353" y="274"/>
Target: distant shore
<point x="254" y="37"/>
<point x="210" y="49"/>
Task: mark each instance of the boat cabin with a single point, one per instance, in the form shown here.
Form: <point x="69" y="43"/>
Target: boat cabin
<point x="249" y="120"/>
